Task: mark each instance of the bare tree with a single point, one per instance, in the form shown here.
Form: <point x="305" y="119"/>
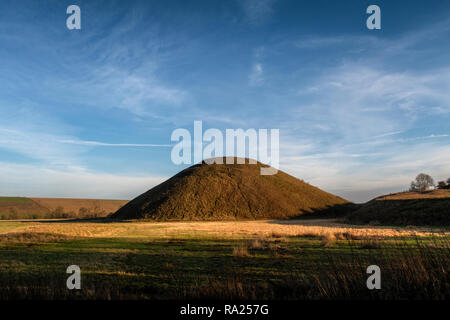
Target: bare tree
<point x="422" y="183"/>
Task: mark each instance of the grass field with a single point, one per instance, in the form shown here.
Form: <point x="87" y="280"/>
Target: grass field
<point x="239" y="260"/>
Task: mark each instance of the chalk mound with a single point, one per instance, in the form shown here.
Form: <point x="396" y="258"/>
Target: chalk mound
<point x="227" y="192"/>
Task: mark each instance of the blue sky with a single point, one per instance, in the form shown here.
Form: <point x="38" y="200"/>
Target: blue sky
<point x="89" y="113"/>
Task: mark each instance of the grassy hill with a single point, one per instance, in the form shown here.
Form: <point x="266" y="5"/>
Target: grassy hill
<point x="34" y="208"/>
<point x="406" y="208"/>
<point x="227" y="192"/>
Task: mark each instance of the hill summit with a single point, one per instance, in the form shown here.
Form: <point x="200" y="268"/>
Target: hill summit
<point x="227" y="192"/>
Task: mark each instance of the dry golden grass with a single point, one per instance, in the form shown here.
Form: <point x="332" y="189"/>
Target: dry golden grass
<point x="257" y="244"/>
<point x="270" y="230"/>
<point x="32" y="237"/>
<point x="241" y="251"/>
<point x="328" y="240"/>
<point x="250" y="261"/>
<point x="434" y="194"/>
<point x="295" y="228"/>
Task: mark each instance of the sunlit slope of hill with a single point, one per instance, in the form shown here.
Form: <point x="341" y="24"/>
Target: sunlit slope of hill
<point x="406" y="208"/>
<point x="227" y="192"/>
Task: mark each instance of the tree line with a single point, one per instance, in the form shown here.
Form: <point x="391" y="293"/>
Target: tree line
<point x="424" y="182"/>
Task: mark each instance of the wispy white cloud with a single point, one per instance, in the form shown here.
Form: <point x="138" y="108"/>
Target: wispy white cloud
<point x="387" y="134"/>
<point x="359" y="125"/>
<point x="115" y="87"/>
<point x="384" y="46"/>
<point x="321" y="42"/>
<point x="104" y="144"/>
<point x="53" y="149"/>
<point x="386" y="141"/>
<point x="256" y="77"/>
<point x="138" y="94"/>
<point x="373" y="142"/>
<point x="352" y="98"/>
<point x="123" y="67"/>
<point x="35" y="144"/>
<point x="359" y="180"/>
<point x="41" y="181"/>
<point x="59" y="161"/>
<point x="257" y="12"/>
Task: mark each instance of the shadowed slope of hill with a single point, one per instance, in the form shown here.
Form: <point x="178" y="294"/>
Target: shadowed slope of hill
<point x="227" y="192"/>
<point x="406" y="208"/>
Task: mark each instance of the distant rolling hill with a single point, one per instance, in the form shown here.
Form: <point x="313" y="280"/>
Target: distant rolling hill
<point x="406" y="208"/>
<point x="228" y="192"/>
<point x="29" y="208"/>
<point x="18" y="207"/>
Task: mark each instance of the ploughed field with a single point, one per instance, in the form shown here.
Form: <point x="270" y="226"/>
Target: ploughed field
<point x="263" y="259"/>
